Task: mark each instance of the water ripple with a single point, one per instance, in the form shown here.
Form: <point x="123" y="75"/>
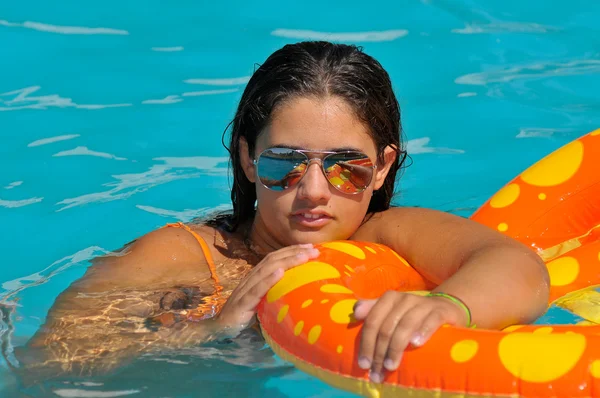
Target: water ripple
<point x="209" y="92"/>
<point x="505" y="27"/>
<point x="130" y="184"/>
<point x="168" y="49"/>
<point x="420" y="145"/>
<point x="14" y="287"/>
<point x="84" y="151"/>
<point x="50" y="140"/>
<point x="373" y="36"/>
<point x="233" y="81"/>
<point x="187" y="214"/>
<point x="540" y="132"/>
<point x="22" y="99"/>
<point x="170" y="99"/>
<point x="11" y="204"/>
<point x="65" y="30"/>
<point x="13" y="184"/>
<point x="532" y="71"/>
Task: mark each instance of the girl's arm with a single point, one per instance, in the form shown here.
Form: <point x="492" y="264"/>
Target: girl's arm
<point x="103" y="319"/>
<point x="501" y="281"/>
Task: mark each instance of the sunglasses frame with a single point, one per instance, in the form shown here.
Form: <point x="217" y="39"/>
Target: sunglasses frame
<point x="321" y="160"/>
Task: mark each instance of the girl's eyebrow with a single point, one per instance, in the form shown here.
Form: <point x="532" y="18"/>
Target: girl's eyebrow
<point x="336" y="149"/>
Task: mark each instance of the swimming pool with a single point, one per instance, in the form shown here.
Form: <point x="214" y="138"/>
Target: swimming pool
<point x="111" y="115"/>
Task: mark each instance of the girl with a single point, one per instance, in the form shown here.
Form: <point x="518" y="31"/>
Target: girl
<point x="313" y="113"/>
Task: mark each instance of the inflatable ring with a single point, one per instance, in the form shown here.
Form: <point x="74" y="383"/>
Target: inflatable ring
<point x="554" y="207"/>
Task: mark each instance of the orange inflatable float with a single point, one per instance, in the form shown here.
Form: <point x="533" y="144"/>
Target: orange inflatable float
<point x="554" y="207"/>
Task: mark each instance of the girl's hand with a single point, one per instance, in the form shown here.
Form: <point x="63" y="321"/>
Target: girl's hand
<point x="394" y="321"/>
<point x="240" y="308"/>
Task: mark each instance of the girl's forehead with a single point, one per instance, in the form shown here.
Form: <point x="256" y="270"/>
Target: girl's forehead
<point x="319" y="124"/>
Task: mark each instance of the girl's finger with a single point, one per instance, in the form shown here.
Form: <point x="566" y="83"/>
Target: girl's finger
<point x="433" y="321"/>
<point x="396" y="329"/>
<point x="287" y="251"/>
<point x="405" y="330"/>
<point x="292" y="260"/>
<point x="371" y="327"/>
<point x="362" y="308"/>
<point x="250" y="300"/>
<point x="271" y="259"/>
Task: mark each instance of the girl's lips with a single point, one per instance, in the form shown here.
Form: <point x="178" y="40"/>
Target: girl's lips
<point x="311" y="219"/>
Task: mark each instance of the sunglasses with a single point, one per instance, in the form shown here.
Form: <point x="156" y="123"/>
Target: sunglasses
<point x="349" y="172"/>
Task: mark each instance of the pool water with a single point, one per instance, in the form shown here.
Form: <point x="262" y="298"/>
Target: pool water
<point x="111" y="116"/>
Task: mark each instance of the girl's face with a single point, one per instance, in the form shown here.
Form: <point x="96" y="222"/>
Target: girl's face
<point x="288" y="217"/>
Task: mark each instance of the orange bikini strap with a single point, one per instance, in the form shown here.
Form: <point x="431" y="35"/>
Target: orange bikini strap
<point x="205" y="250"/>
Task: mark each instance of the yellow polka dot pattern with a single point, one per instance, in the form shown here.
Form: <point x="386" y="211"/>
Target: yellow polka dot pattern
<point x="506" y="196"/>
<point x="307" y="303"/>
<point x="282" y="313"/>
<point x="464" y="351"/>
<point x="512" y="328"/>
<point x="536" y="358"/>
<point x="542" y="196"/>
<point x="342" y="311"/>
<point x="339" y="349"/>
<point x="563" y="270"/>
<point x="298" y="328"/>
<point x="347" y="248"/>
<point x="314" y="333"/>
<point x="595" y="366"/>
<point x="402" y="260"/>
<point x="502" y="227"/>
<point x="555" y="168"/>
<point x="299" y="276"/>
<point x="333" y="288"/>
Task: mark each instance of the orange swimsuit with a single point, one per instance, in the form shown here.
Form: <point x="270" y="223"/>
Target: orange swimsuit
<point x="211" y="305"/>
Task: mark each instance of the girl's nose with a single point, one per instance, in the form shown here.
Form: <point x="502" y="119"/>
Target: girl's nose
<point x="314" y="185"/>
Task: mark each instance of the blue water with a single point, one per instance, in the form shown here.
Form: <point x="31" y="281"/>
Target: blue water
<point x="111" y="114"/>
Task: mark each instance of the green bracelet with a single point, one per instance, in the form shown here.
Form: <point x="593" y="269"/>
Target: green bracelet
<point x="456" y="301"/>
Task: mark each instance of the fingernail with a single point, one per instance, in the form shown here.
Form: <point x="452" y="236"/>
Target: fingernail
<point x="417" y="340"/>
<point x="376" y="377"/>
<point x="364" y="363"/>
<point x="314" y="252"/>
<point x="390" y="364"/>
<point x="357" y="305"/>
<point x="306" y="245"/>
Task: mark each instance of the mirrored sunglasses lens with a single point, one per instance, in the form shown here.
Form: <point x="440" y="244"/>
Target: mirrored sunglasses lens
<point x="349" y="172"/>
<point x="280" y="168"/>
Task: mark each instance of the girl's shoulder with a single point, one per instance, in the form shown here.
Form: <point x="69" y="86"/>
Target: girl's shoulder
<point x="397" y="222"/>
<point x="154" y="257"/>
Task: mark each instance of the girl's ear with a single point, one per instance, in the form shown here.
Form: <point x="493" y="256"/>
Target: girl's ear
<point x="246" y="160"/>
<point x="389" y="157"/>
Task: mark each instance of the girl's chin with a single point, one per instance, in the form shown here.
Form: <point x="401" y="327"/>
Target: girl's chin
<point x="300" y="237"/>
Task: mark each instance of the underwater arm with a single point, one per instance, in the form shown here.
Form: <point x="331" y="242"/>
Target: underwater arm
<point x="102" y="320"/>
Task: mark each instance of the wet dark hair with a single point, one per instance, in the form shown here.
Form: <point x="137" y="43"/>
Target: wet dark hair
<point x="314" y="69"/>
